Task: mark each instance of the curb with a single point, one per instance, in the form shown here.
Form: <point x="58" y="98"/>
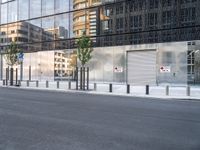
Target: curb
<point x="183" y="98"/>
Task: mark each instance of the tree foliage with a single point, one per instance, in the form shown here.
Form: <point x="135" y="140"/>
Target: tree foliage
<point x="84" y="45"/>
<point x="11" y="54"/>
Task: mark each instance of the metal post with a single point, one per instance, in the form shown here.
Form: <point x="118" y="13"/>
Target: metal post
<point x="128" y="89"/>
<point x="110" y="88"/>
<point x="4" y="82"/>
<point x="95" y="86"/>
<point x="58" y="84"/>
<point x="11" y="76"/>
<point x="37" y="83"/>
<point x="69" y="85"/>
<point x="21" y="71"/>
<point x="16" y="75"/>
<point x="188" y="90"/>
<point x="8" y="73"/>
<point x="27" y="83"/>
<point x="83" y="78"/>
<point x="7" y="76"/>
<point x="76" y="75"/>
<point x="87" y="78"/>
<point x="19" y="82"/>
<point x="47" y="84"/>
<point x="147" y="89"/>
<point x="29" y="73"/>
<point x="167" y="90"/>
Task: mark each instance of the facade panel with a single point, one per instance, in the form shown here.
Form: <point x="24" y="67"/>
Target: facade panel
<point x="141" y="67"/>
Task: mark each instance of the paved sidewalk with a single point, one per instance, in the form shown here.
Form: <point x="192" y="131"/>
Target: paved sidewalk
<point x="175" y="92"/>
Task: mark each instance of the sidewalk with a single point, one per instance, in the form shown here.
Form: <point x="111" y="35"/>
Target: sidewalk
<point x="175" y="92"/>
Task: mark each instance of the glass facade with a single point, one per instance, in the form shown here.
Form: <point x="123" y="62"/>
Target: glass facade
<point x="53" y="25"/>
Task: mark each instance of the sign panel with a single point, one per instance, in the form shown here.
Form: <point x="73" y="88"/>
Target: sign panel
<point x="165" y="69"/>
<point x="20" y="56"/>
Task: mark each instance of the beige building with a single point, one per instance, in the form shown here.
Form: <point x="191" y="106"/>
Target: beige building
<point x="85" y="20"/>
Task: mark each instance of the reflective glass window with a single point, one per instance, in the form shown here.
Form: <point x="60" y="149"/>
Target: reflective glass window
<point x="62" y="26"/>
<point x="12" y="11"/>
<point x="61" y="6"/>
<point x="4" y="13"/>
<point x="48" y="30"/>
<point x="35" y="8"/>
<point x="35" y="30"/>
<point x="23" y="9"/>
<point x="47" y="7"/>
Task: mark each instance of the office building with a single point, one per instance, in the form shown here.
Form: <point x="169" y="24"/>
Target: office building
<point x="135" y="41"/>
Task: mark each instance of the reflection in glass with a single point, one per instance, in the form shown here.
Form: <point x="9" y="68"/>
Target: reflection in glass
<point x="62" y="26"/>
<point x="35" y="8"/>
<point x="4" y="37"/>
<point x="12" y="11"/>
<point x="35" y="34"/>
<point x="4" y="13"/>
<point x="47" y="7"/>
<point x="48" y="29"/>
<point x="64" y="65"/>
<point x="23" y="9"/>
<point x="61" y="6"/>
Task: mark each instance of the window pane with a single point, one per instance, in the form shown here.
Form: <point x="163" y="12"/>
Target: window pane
<point x="48" y="29"/>
<point x="61" y="6"/>
<point x="47" y="7"/>
<point x="35" y="8"/>
<point x="23" y="9"/>
<point x="3" y="13"/>
<point x="12" y="11"/>
<point x="62" y="26"/>
<point x="35" y="34"/>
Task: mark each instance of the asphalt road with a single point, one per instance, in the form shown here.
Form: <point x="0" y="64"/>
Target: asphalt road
<point x="42" y="120"/>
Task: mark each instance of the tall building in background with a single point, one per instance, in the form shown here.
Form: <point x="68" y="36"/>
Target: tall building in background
<point x="86" y="19"/>
<point x="135" y="41"/>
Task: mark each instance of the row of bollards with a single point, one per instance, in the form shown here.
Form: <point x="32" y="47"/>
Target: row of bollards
<point x="147" y="87"/>
<point x="46" y="84"/>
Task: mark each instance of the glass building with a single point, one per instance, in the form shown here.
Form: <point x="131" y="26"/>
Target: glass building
<point x="135" y="41"/>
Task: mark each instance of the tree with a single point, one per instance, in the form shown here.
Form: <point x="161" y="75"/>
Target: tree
<point x="11" y="57"/>
<point x="84" y="54"/>
<point x="84" y="49"/>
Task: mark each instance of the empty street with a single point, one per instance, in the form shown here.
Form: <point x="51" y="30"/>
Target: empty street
<point x="46" y="120"/>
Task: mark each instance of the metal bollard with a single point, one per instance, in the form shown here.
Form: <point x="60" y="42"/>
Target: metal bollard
<point x="95" y="86"/>
<point x="188" y="90"/>
<point x="4" y="82"/>
<point x="69" y="85"/>
<point x="58" y="84"/>
<point x="110" y="88"/>
<point x="27" y="83"/>
<point x="147" y="89"/>
<point x="167" y="90"/>
<point x="37" y="83"/>
<point x="128" y="88"/>
<point x="19" y="82"/>
<point x="47" y="84"/>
